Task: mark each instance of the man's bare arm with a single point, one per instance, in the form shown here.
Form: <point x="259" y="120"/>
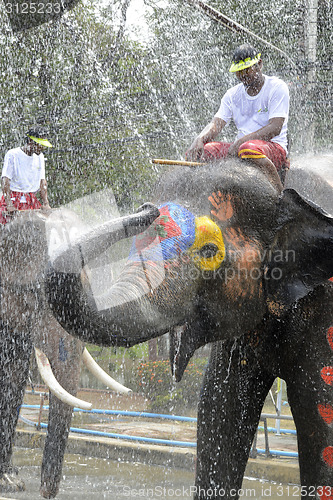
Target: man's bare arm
<point x="209" y="133"/>
<point x="5" y="186"/>
<point x="43" y="194"/>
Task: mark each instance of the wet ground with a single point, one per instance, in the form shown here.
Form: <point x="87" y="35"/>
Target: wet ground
<point x="150" y="428"/>
<point x="87" y="478"/>
<point x="96" y="478"/>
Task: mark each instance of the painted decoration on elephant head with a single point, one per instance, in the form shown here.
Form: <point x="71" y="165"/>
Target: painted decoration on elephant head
<point x="208" y="249"/>
<point x="177" y="231"/>
<point x="325" y="492"/>
<point x="328" y="455"/>
<point x="222" y="203"/>
<point x="172" y="233"/>
<point x="327" y="375"/>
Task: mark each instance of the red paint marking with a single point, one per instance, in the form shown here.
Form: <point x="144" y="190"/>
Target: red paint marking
<point x="330" y="336"/>
<point x="331" y="279"/>
<point x="326" y="412"/>
<point x="223" y="204"/>
<point x="164" y="227"/>
<point x="328" y="455"/>
<point x="327" y="375"/>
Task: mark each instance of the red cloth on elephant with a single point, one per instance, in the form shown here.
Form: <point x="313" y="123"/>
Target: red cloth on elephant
<point x="249" y="149"/>
<point x="31" y="203"/>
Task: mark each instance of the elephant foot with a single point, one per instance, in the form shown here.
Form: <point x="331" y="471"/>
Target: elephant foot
<point x="48" y="491"/>
<point x="10" y="482"/>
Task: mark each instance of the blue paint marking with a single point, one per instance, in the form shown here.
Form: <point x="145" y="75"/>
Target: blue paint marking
<point x="63" y="353"/>
<point x="171" y="234"/>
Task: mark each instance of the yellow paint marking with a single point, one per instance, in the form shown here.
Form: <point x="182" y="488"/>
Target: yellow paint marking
<point x="207" y="232"/>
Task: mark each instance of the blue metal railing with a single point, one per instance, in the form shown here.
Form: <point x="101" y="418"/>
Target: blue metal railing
<point x="142" y="439"/>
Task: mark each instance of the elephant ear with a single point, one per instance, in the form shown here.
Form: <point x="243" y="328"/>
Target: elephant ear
<point x="301" y="255"/>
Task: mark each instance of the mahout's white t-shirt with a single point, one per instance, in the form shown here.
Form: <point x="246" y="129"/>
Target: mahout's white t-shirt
<point x="250" y="113"/>
<point x="25" y="172"/>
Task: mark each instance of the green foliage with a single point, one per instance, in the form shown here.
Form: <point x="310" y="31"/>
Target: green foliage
<point x="77" y="77"/>
<point x="195" y="51"/>
<point x="111" y="104"/>
<point x="154" y="379"/>
<point x="137" y="352"/>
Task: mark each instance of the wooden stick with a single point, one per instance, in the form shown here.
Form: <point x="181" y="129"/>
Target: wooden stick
<point x="161" y="161"/>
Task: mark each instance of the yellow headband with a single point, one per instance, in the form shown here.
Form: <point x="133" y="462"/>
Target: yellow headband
<point x="42" y="142"/>
<point x="247" y="63"/>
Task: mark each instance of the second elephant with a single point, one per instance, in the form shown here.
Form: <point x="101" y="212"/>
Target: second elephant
<point x="26" y="321"/>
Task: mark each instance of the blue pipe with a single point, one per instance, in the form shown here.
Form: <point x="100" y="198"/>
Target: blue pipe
<point x="135" y="438"/>
<point x="144" y="439"/>
<point x="149" y="415"/>
<point x="282" y="431"/>
<point x="125" y="413"/>
<point x="117" y="436"/>
<point x="291" y="454"/>
<point x="33" y="424"/>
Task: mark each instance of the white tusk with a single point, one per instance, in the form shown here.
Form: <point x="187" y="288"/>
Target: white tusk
<point x="101" y="375"/>
<point x="47" y="375"/>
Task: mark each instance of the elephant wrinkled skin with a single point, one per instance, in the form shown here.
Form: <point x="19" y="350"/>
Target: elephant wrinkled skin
<point x="229" y="261"/>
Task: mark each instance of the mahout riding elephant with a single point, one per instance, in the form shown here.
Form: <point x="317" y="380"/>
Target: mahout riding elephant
<point x="26" y="321"/>
<point x="232" y="262"/>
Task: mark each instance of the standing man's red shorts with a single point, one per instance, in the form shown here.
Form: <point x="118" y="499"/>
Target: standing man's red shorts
<point x="30" y="203"/>
<point x="249" y="149"/>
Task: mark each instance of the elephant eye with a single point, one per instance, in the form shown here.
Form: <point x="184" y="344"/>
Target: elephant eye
<point x="208" y="251"/>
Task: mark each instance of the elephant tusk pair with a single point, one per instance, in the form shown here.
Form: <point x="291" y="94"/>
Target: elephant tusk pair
<point x="48" y="377"/>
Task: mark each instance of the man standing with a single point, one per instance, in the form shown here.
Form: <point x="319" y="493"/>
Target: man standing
<point x="23" y="174"/>
<point x="259" y="107"/>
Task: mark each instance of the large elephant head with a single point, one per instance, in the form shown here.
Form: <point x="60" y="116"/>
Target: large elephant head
<point x="225" y="251"/>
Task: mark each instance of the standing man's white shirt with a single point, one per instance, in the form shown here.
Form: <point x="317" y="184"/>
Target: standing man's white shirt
<point x="25" y="172"/>
<point x="250" y="113"/>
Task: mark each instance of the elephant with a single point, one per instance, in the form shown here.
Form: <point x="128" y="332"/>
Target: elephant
<point x="26" y="321"/>
<point x="232" y="262"/>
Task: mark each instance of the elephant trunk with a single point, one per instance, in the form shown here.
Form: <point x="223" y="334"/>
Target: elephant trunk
<point x="144" y="302"/>
<point x="73" y="257"/>
<point x="127" y="314"/>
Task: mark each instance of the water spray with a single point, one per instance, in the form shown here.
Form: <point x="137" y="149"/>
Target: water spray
<point x="234" y="26"/>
